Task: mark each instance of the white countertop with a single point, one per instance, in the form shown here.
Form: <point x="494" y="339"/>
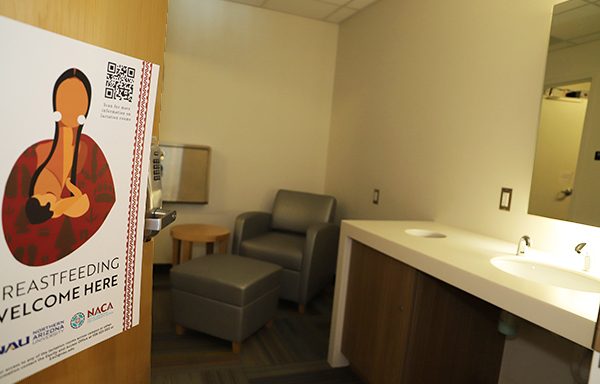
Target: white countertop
<point x="462" y="259"/>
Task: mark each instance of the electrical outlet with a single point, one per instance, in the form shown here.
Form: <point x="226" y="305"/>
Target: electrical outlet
<point x="376" y="196"/>
<point x="505" y="199"/>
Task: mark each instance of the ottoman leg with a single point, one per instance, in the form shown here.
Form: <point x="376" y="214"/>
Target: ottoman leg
<point x="236" y="347"/>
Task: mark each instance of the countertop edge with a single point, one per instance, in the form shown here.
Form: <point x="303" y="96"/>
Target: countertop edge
<point x="547" y="315"/>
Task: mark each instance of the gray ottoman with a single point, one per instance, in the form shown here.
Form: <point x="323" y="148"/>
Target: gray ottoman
<point x="226" y="296"/>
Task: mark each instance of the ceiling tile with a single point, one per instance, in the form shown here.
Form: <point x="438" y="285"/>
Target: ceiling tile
<point x="341" y="15"/>
<point x="307" y="8"/>
<point x="333" y="11"/>
<point x="336" y="2"/>
<point x="576" y="22"/>
<point x="560" y="45"/>
<point x="568" y="5"/>
<point x="256" y="3"/>
<point x="360" y="4"/>
<point x="587" y="38"/>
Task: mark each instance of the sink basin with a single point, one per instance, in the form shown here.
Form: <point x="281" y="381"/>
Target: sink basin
<point x="546" y="273"/>
<point x="424" y="233"/>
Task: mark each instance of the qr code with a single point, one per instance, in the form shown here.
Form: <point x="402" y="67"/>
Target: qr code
<point x="119" y="82"/>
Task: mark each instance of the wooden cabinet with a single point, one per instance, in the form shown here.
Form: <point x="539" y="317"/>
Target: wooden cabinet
<point x="378" y="314"/>
<point x="403" y="326"/>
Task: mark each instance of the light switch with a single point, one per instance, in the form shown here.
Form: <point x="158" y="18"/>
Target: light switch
<point x="376" y="196"/>
<point x="505" y="198"/>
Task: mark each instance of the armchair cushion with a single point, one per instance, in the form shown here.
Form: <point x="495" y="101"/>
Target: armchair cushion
<point x="249" y="225"/>
<point x="295" y="211"/>
<point x="284" y="249"/>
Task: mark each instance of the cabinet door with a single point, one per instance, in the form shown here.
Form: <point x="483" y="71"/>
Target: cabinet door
<point x="453" y="336"/>
<point x="378" y="311"/>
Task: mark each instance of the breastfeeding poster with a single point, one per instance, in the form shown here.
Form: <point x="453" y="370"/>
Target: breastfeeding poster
<point x="76" y="132"/>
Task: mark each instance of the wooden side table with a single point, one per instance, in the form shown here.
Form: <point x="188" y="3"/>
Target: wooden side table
<point x="185" y="235"/>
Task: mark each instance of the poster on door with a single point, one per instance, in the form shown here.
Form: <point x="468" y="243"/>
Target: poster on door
<point x="76" y="131"/>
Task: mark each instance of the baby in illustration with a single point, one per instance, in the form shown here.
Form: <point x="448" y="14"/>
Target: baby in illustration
<point x="59" y="191"/>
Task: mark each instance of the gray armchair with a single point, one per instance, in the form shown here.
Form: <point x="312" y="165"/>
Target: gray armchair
<point x="298" y="235"/>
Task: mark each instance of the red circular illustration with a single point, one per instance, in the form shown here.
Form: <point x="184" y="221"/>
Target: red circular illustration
<point x="59" y="191"/>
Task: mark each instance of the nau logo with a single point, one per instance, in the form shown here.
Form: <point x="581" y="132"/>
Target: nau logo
<point x="13" y="345"/>
<point x="99" y="310"/>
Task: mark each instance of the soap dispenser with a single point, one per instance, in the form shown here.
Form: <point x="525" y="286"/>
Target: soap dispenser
<point x="582" y="250"/>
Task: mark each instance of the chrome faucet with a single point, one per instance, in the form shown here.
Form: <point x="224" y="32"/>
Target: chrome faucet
<point x="579" y="247"/>
<point x="586" y="256"/>
<point x="524" y="243"/>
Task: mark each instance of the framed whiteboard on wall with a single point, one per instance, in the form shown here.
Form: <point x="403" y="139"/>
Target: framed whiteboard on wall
<point x="186" y="171"/>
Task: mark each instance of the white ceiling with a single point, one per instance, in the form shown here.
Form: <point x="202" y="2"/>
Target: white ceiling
<point x="333" y="11"/>
<point x="575" y="22"/>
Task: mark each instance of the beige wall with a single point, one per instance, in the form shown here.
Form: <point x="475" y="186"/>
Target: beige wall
<point x="256" y="86"/>
<point x="436" y="104"/>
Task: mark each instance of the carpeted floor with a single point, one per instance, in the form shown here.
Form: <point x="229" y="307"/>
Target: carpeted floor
<point x="293" y="351"/>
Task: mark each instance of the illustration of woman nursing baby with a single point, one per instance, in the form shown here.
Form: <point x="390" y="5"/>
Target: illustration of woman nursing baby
<point x="59" y="191"/>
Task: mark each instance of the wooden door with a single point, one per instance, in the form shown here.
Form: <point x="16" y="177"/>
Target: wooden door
<point x="124" y="358"/>
<point x="135" y="28"/>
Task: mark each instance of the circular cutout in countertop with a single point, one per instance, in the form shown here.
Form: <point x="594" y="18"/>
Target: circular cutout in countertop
<point x="425" y="233"/>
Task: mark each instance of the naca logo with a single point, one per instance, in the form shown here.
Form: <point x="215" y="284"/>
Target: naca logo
<point x="103" y="309"/>
<point x="13" y="345"/>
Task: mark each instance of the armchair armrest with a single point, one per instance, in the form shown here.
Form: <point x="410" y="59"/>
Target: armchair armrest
<point x="320" y="255"/>
<point x="249" y="225"/>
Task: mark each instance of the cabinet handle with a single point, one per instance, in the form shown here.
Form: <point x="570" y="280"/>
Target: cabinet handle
<point x="401" y="308"/>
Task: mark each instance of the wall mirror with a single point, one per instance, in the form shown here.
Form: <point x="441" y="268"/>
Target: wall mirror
<point x="566" y="175"/>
